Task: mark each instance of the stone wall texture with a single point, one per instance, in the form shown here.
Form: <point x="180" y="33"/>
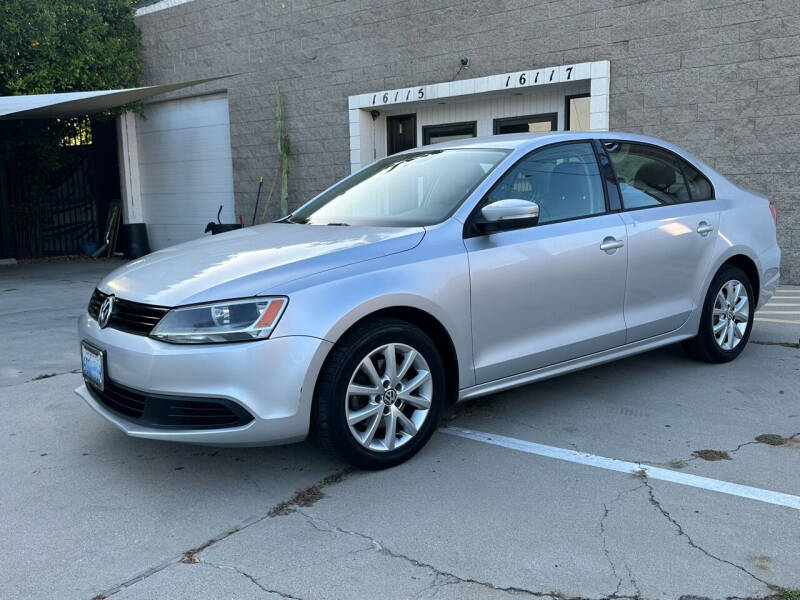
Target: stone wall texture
<point x="720" y="78"/>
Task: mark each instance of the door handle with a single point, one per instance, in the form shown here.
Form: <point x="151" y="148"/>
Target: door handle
<point x="704" y="228"/>
<point x="610" y="244"/>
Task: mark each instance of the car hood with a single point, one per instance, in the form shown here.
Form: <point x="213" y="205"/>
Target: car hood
<point x="249" y="261"/>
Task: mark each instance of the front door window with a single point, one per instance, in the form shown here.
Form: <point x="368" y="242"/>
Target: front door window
<point x="563" y="180"/>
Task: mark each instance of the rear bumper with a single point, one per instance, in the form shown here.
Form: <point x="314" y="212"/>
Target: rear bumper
<point x="272" y="379"/>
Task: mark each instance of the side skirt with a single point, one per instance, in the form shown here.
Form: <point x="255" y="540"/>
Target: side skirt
<point x="576" y="364"/>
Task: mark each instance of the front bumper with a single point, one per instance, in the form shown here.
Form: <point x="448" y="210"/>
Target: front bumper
<point x="272" y="379"/>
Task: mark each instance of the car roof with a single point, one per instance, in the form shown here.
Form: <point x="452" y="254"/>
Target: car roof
<point x="529" y="141"/>
<point x="525" y="142"/>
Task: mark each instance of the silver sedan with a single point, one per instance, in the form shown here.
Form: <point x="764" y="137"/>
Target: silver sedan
<point x="436" y="275"/>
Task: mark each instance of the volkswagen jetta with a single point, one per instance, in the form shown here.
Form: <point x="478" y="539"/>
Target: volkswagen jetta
<point x="432" y="276"/>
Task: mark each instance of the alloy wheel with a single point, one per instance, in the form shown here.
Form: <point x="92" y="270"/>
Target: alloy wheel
<point x="388" y="397"/>
<point x="731" y="315"/>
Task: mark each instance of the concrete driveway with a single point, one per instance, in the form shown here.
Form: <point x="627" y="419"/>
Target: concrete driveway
<point x="643" y="478"/>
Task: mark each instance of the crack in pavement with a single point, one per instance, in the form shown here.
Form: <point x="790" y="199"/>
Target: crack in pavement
<point x="441" y="578"/>
<point x="181" y="558"/>
<point x="603" y="539"/>
<point x="42" y="377"/>
<point x="191" y="556"/>
<point x="654" y="501"/>
<point x="439" y="582"/>
<point x="328" y="527"/>
<point x="606" y="551"/>
<point x="633" y="581"/>
<point x="252" y="579"/>
<point x="450" y="578"/>
<point x="790" y="345"/>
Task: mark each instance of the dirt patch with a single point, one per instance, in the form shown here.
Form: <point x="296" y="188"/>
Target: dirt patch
<point x="676" y="463"/>
<point x="190" y="556"/>
<point x="44" y="376"/>
<point x="712" y="454"/>
<point x="310" y="495"/>
<point x="762" y="562"/>
<point x="773" y="439"/>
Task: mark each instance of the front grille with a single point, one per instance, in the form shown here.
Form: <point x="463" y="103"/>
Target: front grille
<point x="170" y="412"/>
<point x="120" y="400"/>
<point x="131" y="317"/>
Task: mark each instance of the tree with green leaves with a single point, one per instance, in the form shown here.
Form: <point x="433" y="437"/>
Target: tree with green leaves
<point x="53" y="46"/>
<point x="63" y="46"/>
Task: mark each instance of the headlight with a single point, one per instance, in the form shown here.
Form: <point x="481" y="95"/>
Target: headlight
<point x="232" y="321"/>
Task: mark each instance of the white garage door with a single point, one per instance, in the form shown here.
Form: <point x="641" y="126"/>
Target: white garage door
<point x="185" y="167"/>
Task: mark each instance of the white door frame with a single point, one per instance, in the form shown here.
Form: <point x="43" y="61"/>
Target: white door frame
<point x="362" y="146"/>
<point x="128" y="157"/>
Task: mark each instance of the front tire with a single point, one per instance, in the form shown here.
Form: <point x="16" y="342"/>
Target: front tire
<point x="727" y="318"/>
<point x="380" y="394"/>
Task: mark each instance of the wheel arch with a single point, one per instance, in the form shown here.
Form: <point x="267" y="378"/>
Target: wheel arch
<point x="748" y="265"/>
<point x="432" y="327"/>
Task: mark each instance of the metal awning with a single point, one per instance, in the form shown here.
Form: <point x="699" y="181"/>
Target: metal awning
<point x="72" y="104"/>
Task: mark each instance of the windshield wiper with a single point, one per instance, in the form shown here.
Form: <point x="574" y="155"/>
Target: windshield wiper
<point x="338" y="224"/>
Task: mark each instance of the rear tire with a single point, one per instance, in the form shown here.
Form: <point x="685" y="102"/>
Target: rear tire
<point x="727" y="318"/>
<point x="380" y="394"/>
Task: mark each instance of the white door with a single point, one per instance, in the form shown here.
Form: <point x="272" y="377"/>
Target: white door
<point x="185" y="167"/>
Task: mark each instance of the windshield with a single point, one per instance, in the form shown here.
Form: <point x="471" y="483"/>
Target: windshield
<point x="406" y="190"/>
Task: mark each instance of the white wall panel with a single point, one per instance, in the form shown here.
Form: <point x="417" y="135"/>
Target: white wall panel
<point x="480" y="99"/>
<point x="484" y="110"/>
<point x="185" y="165"/>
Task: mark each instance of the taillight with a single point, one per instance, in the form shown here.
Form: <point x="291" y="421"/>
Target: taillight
<point x="774" y="212"/>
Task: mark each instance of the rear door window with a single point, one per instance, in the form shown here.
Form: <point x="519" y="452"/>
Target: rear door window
<point x="647" y="176"/>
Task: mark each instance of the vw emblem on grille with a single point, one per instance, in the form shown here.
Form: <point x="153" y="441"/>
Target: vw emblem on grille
<point x="106" y="308"/>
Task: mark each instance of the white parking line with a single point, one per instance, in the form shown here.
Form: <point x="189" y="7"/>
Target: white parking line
<point x="612" y="464"/>
<point x="777" y="320"/>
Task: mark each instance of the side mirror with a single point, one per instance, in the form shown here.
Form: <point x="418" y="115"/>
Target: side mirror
<point x="505" y="215"/>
